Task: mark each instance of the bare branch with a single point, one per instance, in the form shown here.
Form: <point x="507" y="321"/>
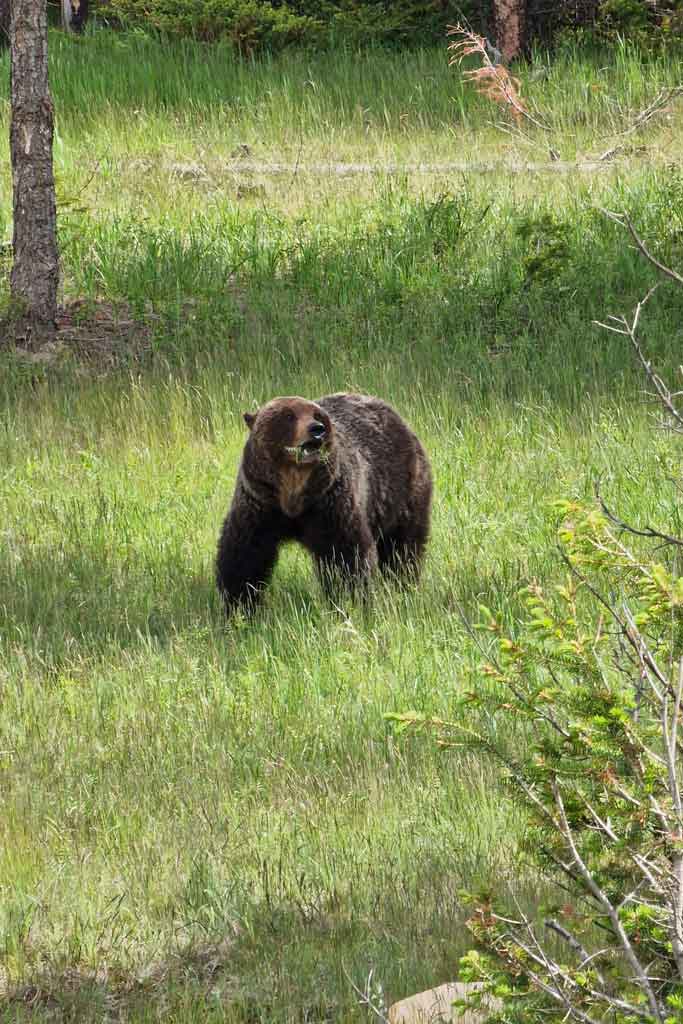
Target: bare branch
<point x="572" y="941"/>
<point x="625" y="221"/>
<point x="662" y="393"/>
<point x="672" y="749"/>
<point x="553" y="970"/>
<point x="651" y="110"/>
<point x="641" y="977"/>
<point x="557" y="973"/>
<point x="604" y="826"/>
<point x="677" y="859"/>
<point x="559" y="997"/>
<point x="640" y="861"/>
<point x="659" y="813"/>
<point x="649" y="531"/>
<point x="647" y="661"/>
<point x="364" y="998"/>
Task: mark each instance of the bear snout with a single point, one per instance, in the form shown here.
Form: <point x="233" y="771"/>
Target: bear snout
<point x="317" y="430"/>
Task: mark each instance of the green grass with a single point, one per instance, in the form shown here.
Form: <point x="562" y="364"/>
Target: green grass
<point x="213" y="821"/>
<point x="174" y="785"/>
<point x="372" y="103"/>
<point x="133" y="113"/>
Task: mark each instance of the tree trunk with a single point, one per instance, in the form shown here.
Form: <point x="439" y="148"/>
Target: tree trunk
<point x="509" y="17"/>
<point x="35" y="273"/>
<point x="74" y="14"/>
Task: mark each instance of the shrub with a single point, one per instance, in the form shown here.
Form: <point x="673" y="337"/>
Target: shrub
<point x="248" y="24"/>
<point x="594" y="681"/>
<point x="548" y="245"/>
<point x="259" y="24"/>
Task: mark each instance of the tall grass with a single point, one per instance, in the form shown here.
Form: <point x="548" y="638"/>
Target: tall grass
<point x="126" y="94"/>
<point x="213" y="821"/>
<point x="469" y="284"/>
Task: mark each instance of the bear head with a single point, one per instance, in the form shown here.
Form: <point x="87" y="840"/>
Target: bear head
<point x="290" y="450"/>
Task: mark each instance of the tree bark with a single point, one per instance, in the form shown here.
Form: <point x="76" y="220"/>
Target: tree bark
<point x="510" y="24"/>
<point x="35" y="273"/>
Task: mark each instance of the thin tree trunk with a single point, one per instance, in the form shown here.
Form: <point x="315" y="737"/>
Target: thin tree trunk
<point x="81" y="15"/>
<point x="509" y="17"/>
<point x="4" y="23"/>
<point x="35" y="273"/>
<point x="74" y="14"/>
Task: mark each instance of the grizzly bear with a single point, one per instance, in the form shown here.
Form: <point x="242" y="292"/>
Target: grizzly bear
<point x="344" y="476"/>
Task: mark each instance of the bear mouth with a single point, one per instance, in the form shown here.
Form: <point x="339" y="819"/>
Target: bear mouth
<point x="307" y="450"/>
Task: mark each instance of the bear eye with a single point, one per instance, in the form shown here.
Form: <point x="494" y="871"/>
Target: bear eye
<point x="289" y="416"/>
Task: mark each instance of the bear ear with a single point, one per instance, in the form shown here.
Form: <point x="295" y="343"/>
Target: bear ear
<point x="249" y="419"/>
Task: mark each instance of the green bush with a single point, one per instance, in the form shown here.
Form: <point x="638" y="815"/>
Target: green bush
<point x="591" y="686"/>
<point x="248" y="24"/>
<point x="649" y="25"/>
<point x="253" y="25"/>
<point x="383" y="21"/>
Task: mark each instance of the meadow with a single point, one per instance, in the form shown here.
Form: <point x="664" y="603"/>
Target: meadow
<point x="211" y="820"/>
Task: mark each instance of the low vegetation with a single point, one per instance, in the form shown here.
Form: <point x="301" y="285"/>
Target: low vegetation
<point x="249" y="26"/>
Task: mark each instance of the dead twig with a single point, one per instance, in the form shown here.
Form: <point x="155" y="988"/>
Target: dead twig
<point x="364" y="996"/>
<point x="620" y="325"/>
<point x="657" y="106"/>
<point x="648" y="531"/>
<point x="625" y="221"/>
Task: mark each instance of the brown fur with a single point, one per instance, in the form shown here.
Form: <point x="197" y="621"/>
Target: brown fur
<point x="293" y="484"/>
<point x="362" y="499"/>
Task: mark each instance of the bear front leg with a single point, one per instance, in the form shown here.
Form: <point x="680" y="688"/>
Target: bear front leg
<point x="247" y="552"/>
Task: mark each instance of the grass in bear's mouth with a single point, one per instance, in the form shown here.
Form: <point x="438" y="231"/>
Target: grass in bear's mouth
<point x="306" y="448"/>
